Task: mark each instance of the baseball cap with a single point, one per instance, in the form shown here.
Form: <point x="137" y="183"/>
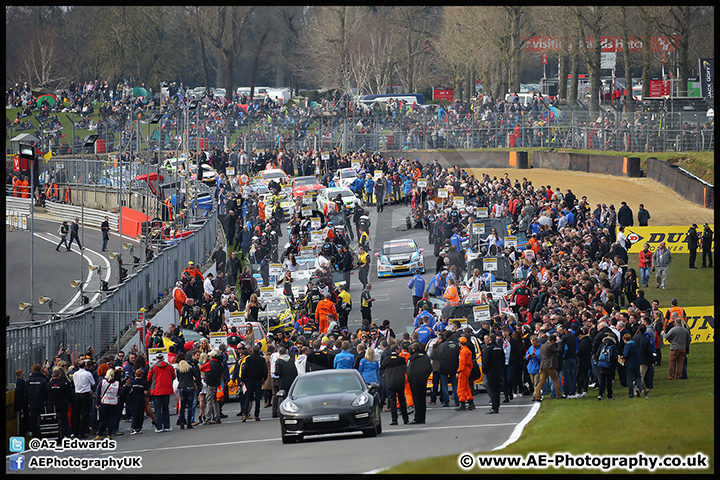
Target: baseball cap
<point x="462" y="340"/>
<point x="694" y="225"/>
<point x="191" y="262"/>
<point x="159" y="356"/>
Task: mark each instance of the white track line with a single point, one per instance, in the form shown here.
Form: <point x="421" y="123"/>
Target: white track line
<point x="50" y="238"/>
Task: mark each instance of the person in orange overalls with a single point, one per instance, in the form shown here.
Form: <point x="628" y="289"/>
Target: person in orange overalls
<point x="463" y="375"/>
<point x="17" y="184"/>
<point x="25" y="188"/>
<point x="408" y="393"/>
<point x="323" y="309"/>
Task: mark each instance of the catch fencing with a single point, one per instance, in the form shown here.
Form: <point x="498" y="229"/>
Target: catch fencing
<point x="102" y="325"/>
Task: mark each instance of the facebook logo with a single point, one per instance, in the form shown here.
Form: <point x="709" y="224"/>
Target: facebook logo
<point x="17" y="462"/>
<point x="17" y="444"/>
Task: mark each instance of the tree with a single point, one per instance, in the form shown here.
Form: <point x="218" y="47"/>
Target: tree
<point x="226" y="28"/>
<point x="679" y="24"/>
<point x="592" y="22"/>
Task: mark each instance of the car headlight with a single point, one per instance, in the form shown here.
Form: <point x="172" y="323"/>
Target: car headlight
<point x="288" y="406"/>
<point x="361" y="400"/>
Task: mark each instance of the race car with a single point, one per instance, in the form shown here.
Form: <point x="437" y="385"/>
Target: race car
<point x="305" y="186"/>
<point x="274" y="174"/>
<point x="278" y="316"/>
<point x="399" y="257"/>
<point x="328" y="195"/>
<point x="345" y="177"/>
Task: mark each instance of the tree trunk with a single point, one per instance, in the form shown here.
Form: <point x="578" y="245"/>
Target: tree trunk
<point x="574" y="80"/>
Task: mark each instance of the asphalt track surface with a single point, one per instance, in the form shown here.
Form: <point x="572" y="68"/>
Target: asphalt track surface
<point x="53" y="271"/>
<point x="255" y="447"/>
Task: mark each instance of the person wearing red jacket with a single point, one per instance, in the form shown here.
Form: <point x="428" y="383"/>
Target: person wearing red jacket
<point x="161" y="378"/>
<point x="463" y="375"/>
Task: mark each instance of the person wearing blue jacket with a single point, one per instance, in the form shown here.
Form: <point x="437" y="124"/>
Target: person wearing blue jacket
<point x="369" y="367"/>
<point x="424" y="332"/>
<point x="344" y="359"/>
<point x="417" y="285"/>
<point x="631" y="354"/>
<point x="369" y="188"/>
<point x="424" y="315"/>
<point x="457" y="240"/>
<point x="407" y="187"/>
<point x="437" y="283"/>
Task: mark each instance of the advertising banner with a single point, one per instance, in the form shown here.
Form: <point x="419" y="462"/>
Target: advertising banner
<point x="707" y="77"/>
<point x="674" y="238"/>
<point x="701" y="321"/>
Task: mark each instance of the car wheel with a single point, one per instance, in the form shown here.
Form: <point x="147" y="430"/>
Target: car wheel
<point x="371" y="432"/>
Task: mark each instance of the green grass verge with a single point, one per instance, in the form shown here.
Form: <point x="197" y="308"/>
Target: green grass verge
<point x="676" y="419"/>
<point x="692" y="288"/>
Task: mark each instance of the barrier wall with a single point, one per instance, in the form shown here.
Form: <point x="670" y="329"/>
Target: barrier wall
<point x="461" y="158"/>
<point x="682" y="181"/>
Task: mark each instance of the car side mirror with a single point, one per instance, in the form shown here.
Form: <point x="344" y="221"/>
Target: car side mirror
<point x="280" y="394"/>
<point x="422" y="250"/>
<point x="373" y="388"/>
<point x="377" y="254"/>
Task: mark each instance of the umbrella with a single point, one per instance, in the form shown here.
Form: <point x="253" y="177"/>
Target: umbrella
<point x="51" y="99"/>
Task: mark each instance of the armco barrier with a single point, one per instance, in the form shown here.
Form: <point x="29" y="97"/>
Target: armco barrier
<point x="683" y="182"/>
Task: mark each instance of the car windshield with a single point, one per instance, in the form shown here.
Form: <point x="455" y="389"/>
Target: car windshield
<point x="276" y="304"/>
<point x="273" y="176"/>
<point x="330" y="383"/>
<point x="348" y="173"/>
<point x="399" y="248"/>
<point x="305" y="181"/>
<point x="344" y="193"/>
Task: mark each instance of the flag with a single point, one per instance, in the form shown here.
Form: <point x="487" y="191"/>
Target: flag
<point x="48" y="155"/>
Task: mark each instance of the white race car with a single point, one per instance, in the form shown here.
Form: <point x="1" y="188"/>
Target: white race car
<point x="400" y="257"/>
<point x="328" y="195"/>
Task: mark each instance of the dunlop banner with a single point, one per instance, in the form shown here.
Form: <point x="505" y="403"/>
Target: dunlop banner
<point x="674" y="238"/>
<point x="701" y="321"/>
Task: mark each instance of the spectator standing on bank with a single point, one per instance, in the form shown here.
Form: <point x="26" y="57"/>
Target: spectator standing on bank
<point x="692" y="242"/>
<point x="679" y="338"/>
<point x="643" y="216"/>
<point x="662" y="257"/>
<point x="707" y="243"/>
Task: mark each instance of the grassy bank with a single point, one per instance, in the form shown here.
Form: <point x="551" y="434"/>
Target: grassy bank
<point x="677" y="418"/>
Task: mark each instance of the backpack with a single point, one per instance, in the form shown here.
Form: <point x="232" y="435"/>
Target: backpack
<point x="605" y="355"/>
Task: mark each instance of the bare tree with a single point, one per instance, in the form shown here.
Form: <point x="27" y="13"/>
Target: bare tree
<point x="592" y="22"/>
<point x="679" y="24"/>
<point x="226" y="28"/>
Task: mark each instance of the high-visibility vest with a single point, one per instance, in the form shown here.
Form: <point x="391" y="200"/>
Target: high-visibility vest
<point x="680" y="313"/>
<point x="168" y="204"/>
<point x="67" y="194"/>
<point x="451" y="295"/>
<point x="25" y="189"/>
<point x="16" y="186"/>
